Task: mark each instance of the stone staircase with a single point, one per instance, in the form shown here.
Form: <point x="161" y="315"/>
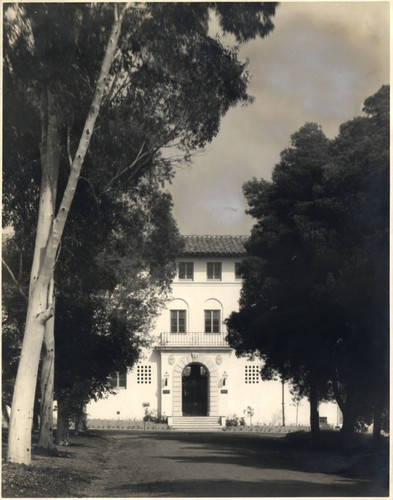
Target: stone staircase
<point x="195" y="424"/>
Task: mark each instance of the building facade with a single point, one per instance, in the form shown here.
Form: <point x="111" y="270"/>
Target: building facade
<point x="191" y="374"/>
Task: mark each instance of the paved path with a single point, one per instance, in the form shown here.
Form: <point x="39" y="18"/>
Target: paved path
<point x="180" y="464"/>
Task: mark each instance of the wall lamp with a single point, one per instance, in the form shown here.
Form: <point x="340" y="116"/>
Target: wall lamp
<point x="224" y="378"/>
<point x="166" y="377"/>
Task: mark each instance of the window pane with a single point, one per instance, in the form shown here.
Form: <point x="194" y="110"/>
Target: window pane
<point x="123" y="379"/>
<point x="212" y="321"/>
<point x="190" y="270"/>
<point x="173" y="321"/>
<point x="178" y="321"/>
<point x="186" y="270"/>
<point x="214" y="270"/>
<point x="182" y="321"/>
<point x="208" y="322"/>
<point x="216" y="321"/>
<point x="182" y="270"/>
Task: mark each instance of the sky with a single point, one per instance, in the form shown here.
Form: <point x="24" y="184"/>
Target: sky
<point x="319" y="65"/>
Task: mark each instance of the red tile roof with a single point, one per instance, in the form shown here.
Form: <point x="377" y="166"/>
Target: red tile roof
<point x="214" y="246"/>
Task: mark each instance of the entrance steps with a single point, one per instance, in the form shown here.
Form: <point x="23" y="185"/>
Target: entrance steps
<point x="194" y="424"/>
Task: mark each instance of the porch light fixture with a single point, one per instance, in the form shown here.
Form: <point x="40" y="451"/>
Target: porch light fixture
<point x="224" y="378"/>
<point x="166" y="377"/>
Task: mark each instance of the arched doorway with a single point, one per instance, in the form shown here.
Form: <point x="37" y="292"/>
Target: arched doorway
<point x="195" y="384"/>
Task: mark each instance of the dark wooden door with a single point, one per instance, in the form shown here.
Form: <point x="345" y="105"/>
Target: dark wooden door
<point x="195" y="391"/>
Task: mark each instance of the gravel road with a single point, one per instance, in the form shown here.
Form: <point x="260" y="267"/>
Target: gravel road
<point x="222" y="464"/>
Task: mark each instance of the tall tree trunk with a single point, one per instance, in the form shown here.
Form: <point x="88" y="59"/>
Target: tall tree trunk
<point x="39" y="306"/>
<point x="347" y="409"/>
<point x="349" y="417"/>
<point x="314" y="413"/>
<point x="349" y="421"/>
<point x="21" y="420"/>
<point x="48" y="237"/>
<point x="63" y="423"/>
<point x="47" y="388"/>
<point x="81" y="420"/>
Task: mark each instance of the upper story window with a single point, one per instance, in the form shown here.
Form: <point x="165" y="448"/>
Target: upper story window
<point x="214" y="271"/>
<point x="178" y="321"/>
<point x="212" y="321"/>
<point x="186" y="270"/>
<point x="118" y="380"/>
<point x="238" y="274"/>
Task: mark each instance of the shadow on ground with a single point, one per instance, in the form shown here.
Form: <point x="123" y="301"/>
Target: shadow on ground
<point x="356" y="471"/>
<point x="266" y="488"/>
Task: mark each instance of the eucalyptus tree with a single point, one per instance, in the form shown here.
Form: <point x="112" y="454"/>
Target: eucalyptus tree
<point x="156" y="66"/>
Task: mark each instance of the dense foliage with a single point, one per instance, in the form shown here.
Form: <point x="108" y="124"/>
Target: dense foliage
<point x="314" y="303"/>
<point x="168" y="84"/>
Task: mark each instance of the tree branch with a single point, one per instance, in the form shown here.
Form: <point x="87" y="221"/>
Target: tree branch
<point x="17" y="284"/>
<point x="92" y="189"/>
<point x="43" y="316"/>
<point x="69" y="146"/>
<point x="68" y="195"/>
<point x="128" y="167"/>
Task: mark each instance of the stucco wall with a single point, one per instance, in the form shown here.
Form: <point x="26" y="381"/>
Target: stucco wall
<point x="226" y="398"/>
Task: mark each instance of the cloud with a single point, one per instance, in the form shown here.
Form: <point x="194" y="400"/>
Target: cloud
<point x="320" y="63"/>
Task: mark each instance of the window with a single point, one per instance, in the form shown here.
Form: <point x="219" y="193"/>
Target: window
<point x="186" y="270"/>
<point x="118" y="380"/>
<point x="214" y="270"/>
<point x="251" y="374"/>
<point x="238" y="274"/>
<point x="178" y="321"/>
<point x="212" y="321"/>
<point x="143" y="374"/>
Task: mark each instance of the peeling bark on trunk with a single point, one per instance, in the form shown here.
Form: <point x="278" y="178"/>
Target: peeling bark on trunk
<point x="47" y="388"/>
<point x="48" y="237"/>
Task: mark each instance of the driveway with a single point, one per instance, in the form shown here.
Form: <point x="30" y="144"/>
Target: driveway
<point x="223" y="464"/>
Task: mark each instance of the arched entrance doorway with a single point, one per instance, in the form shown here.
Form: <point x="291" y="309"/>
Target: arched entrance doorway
<point x="195" y="384"/>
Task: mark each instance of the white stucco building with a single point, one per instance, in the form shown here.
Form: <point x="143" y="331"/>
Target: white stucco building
<point x="191" y="375"/>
